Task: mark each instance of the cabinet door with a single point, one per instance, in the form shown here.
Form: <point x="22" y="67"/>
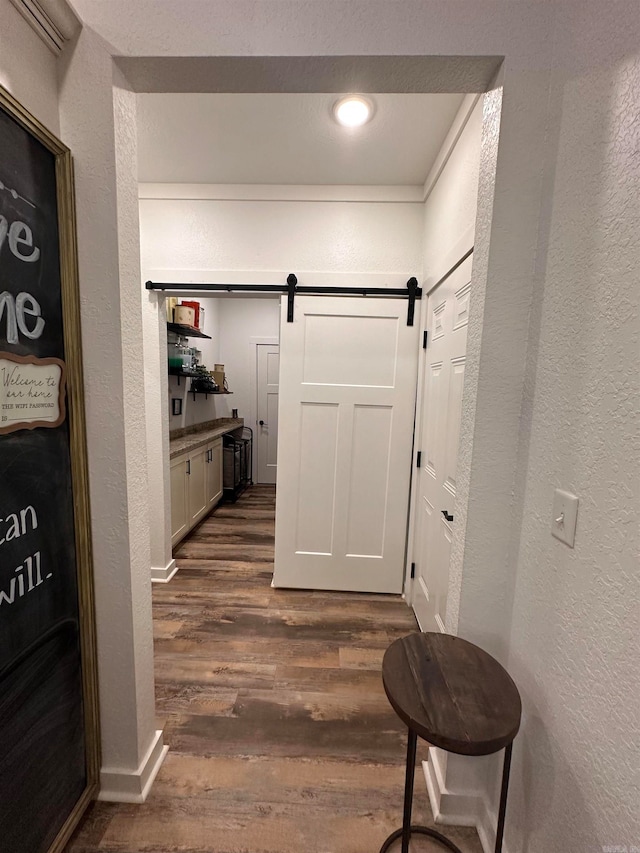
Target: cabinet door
<point x="179" y="510"/>
<point x="197" y="484"/>
<point x="214" y="473"/>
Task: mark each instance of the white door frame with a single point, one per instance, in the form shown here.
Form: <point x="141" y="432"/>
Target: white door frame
<point x="463" y="245"/>
<point x="254" y="343"/>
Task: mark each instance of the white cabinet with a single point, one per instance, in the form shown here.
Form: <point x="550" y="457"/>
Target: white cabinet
<point x="197" y="484"/>
<point x="196" y="487"/>
<point x="179" y="509"/>
<point x="214" y="472"/>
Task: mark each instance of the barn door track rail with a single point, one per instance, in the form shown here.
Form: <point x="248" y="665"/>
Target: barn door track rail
<point x="411" y="292"/>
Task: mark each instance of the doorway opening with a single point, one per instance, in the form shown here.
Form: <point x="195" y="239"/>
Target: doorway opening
<point x="267" y="376"/>
<point x="346" y="499"/>
<point x="325" y="228"/>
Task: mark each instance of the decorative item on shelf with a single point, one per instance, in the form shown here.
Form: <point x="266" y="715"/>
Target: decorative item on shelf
<point x="181" y="358"/>
<point x="171" y="303"/>
<point x="202" y="382"/>
<point x="219" y="377"/>
<point x="185" y="316"/>
<point x="197" y="311"/>
<point x="173" y="355"/>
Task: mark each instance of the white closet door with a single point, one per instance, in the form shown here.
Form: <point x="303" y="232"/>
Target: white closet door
<point x="443" y="380"/>
<point x="268" y="367"/>
<point x="347" y="399"/>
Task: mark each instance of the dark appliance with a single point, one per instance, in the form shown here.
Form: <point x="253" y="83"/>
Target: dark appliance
<point x="237" y="456"/>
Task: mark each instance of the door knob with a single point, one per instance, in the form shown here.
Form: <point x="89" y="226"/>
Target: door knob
<point x="262" y="423"/>
<point x="447" y="515"/>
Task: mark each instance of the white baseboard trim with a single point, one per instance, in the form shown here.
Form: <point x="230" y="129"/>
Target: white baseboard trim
<point x="124" y="786"/>
<point x="459" y="809"/>
<point x="487" y="827"/>
<point x="164" y="575"/>
<point x="447" y="807"/>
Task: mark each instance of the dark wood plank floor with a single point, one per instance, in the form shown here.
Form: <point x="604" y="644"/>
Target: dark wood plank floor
<point x="281" y="738"/>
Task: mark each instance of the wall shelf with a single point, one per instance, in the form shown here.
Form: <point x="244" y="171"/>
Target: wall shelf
<point x="186" y="331"/>
<point x="207" y="393"/>
<point x="176" y="371"/>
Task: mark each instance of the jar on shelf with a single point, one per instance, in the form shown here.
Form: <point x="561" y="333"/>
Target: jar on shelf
<point x="174" y="356"/>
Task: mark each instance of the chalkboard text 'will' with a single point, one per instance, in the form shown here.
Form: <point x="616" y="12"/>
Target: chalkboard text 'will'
<point x="28" y="575"/>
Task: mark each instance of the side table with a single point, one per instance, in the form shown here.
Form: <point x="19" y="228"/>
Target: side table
<point x="457" y="697"/>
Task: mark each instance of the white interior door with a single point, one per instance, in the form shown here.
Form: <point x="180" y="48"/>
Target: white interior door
<point x="347" y="399"/>
<point x="439" y="433"/>
<point x="268" y="369"/>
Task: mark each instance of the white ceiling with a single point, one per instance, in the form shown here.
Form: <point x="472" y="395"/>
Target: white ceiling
<point x="288" y="139"/>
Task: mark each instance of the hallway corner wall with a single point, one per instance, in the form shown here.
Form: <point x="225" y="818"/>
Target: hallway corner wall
<point x="97" y="118"/>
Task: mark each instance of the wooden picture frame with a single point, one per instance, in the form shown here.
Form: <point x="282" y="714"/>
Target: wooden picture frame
<point x="84" y="627"/>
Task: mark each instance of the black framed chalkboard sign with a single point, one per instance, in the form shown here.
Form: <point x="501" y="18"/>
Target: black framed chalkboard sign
<point x="49" y="752"/>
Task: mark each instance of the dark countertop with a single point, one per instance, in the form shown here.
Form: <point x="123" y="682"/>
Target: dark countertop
<point x="187" y="443"/>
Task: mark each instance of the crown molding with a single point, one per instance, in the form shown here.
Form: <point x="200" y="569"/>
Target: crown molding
<point x="53" y="21"/>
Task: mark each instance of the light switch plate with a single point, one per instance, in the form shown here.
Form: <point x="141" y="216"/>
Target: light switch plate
<point x="564" y="516"/>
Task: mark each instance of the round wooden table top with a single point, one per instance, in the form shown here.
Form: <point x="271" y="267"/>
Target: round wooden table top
<point x="451" y="693"/>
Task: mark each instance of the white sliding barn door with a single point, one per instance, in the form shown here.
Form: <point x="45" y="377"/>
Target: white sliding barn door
<point x="437" y="441"/>
<point x="347" y="400"/>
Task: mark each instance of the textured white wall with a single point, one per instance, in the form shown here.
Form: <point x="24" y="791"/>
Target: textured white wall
<point x="573" y="646"/>
<point x="564" y="224"/>
<point x="240" y="320"/>
<point x="28" y="69"/>
<point x="196" y="239"/>
<point x="98" y="122"/>
<point x="322" y="237"/>
<point x="190" y="234"/>
<point x="450" y="208"/>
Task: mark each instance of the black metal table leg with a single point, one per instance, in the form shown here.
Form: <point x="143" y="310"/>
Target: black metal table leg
<point x="408" y="790"/>
<point x="503" y="797"/>
<point x="407" y="829"/>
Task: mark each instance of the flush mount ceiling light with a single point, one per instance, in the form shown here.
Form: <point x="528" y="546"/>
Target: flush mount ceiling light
<point x="353" y="110"/>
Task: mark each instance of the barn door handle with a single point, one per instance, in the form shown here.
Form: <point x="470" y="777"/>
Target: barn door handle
<point x="447" y="515"/>
<point x="262" y="423"/>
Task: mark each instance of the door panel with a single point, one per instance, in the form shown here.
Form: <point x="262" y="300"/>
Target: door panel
<point x="268" y="371"/>
<point x="347" y="399"/>
<point x="197" y="484"/>
<point x="214" y="472"/>
<point x="179" y="509"/>
<point x="318" y="445"/>
<point x="452" y="435"/>
<point x="369" y="478"/>
<point x="334" y="350"/>
<point x="438" y="437"/>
